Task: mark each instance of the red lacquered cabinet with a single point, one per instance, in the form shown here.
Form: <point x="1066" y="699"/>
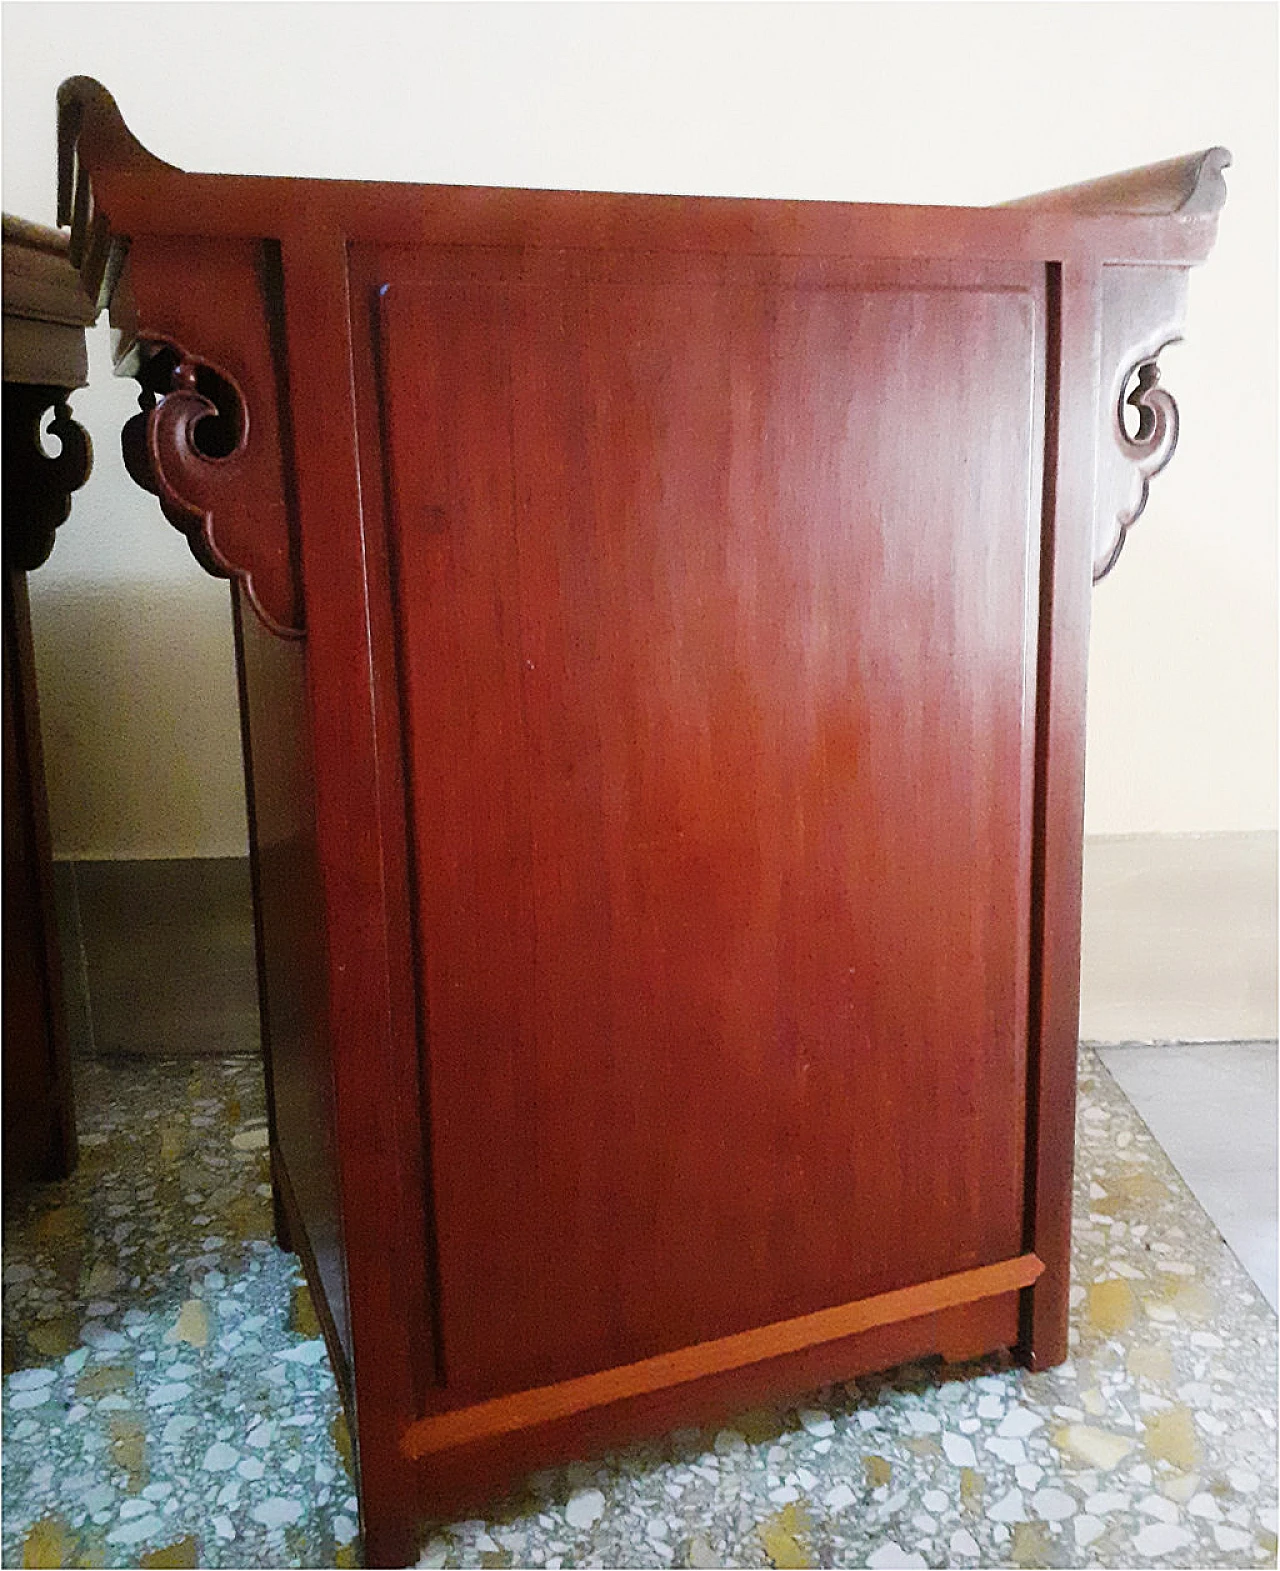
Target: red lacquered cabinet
<point x="662" y="629"/>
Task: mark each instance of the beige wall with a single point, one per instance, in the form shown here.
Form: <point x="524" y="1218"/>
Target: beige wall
<point x="908" y="103"/>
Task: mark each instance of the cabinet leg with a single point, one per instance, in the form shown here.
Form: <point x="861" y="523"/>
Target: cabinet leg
<point x="280" y="1211"/>
<point x="390" y="1523"/>
<point x="1044" y="1320"/>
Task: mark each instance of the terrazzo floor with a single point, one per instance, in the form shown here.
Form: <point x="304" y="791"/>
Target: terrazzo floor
<point x="167" y="1401"/>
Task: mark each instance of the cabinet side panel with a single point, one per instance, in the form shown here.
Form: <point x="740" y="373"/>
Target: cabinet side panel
<point x="717" y="608"/>
<point x="289" y="916"/>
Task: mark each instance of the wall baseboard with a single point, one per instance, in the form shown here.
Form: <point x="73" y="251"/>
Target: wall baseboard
<point x="1180" y="938"/>
<point x="1179" y="944"/>
<point x="158" y="957"/>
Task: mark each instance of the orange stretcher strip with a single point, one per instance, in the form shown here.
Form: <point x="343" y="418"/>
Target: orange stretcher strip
<point x="543" y="1404"/>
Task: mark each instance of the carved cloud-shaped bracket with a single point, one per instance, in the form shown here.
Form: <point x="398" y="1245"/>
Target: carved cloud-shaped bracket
<point x="197" y="317"/>
<point x="1142" y="314"/>
<point x="189" y="445"/>
<point x="1148" y="449"/>
<point x="38" y="485"/>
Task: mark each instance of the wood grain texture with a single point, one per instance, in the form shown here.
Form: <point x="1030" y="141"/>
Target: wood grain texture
<point x="661" y="713"/>
<point x="111" y="188"/>
<point x="450" y="1485"/>
<point x="693" y="607"/>
<point x="531" y="1409"/>
<point x="284" y="856"/>
<point x="233" y="502"/>
<point x="1068" y="514"/>
<point x="374" y="1062"/>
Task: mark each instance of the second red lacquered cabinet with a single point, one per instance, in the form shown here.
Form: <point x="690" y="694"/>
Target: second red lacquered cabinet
<point x="662" y="629"/>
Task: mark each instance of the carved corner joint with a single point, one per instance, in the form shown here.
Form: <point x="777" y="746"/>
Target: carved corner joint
<point x="188" y="446"/>
<point x="38" y="485"/>
<point x="1148" y="449"/>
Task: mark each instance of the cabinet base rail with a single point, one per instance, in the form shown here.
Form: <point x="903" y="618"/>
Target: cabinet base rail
<point x="524" y="1410"/>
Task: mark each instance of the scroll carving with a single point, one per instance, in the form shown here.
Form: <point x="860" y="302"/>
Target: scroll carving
<point x="197" y="321"/>
<point x="1148" y="449"/>
<point x="1142" y="312"/>
<point x="189" y="446"/>
<point x="38" y="485"/>
<point x="164" y="454"/>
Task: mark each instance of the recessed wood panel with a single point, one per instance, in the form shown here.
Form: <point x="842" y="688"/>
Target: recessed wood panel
<point x="714" y="611"/>
<point x="280" y="792"/>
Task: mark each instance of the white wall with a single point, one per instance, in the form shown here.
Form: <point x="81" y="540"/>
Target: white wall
<point x="882" y="102"/>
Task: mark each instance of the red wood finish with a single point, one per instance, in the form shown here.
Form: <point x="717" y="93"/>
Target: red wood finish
<point x="467" y="1476"/>
<point x="289" y="918"/>
<point x="706" y="636"/>
<point x="237" y="511"/>
<point x="667" y="804"/>
<point x="530" y="1409"/>
<point x="1067" y="534"/>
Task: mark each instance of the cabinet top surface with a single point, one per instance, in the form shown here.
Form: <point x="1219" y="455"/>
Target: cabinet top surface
<point x="1164" y="213"/>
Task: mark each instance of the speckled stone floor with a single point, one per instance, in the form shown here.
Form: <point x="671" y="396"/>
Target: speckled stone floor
<point x="167" y="1397"/>
<point x="167" y="1401"/>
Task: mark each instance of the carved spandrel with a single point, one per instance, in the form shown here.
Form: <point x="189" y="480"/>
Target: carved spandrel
<point x="188" y="446"/>
<point x="1142" y="314"/>
<point x="38" y="484"/>
<point x="211" y="440"/>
